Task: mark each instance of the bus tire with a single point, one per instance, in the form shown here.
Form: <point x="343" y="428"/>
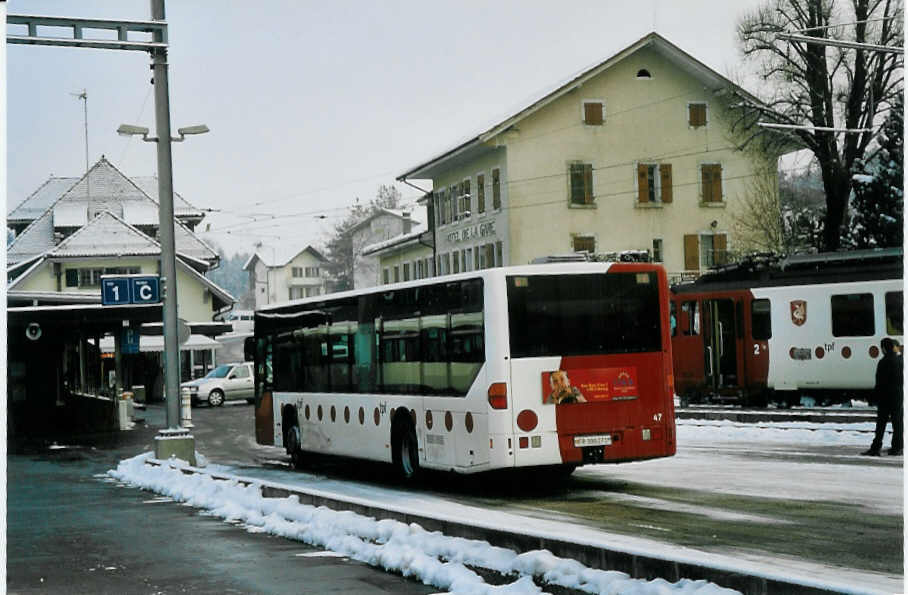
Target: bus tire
<point x="404" y="448"/>
<point x="294" y="445"/>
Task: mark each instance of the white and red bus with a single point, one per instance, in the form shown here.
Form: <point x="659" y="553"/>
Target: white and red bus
<point x="540" y="365"/>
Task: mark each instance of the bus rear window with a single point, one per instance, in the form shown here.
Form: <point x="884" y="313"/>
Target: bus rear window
<point x="558" y="315"/>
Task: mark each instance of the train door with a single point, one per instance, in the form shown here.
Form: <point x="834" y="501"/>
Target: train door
<point x="721" y="335"/>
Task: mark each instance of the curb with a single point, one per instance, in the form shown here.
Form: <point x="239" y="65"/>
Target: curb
<point x="594" y="556"/>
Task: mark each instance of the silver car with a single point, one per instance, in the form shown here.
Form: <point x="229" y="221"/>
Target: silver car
<point x="227" y="382"/>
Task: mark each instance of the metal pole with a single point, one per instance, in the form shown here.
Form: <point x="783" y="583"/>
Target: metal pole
<point x="165" y="210"/>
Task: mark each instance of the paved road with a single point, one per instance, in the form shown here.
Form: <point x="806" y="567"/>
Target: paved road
<point x="820" y="504"/>
<point x="70" y="531"/>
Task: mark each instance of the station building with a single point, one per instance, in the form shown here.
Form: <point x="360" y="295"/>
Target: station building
<point x="63" y="342"/>
<point x="637" y="154"/>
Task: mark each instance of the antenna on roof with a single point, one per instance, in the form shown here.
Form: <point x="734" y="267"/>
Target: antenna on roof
<point x="84" y="97"/>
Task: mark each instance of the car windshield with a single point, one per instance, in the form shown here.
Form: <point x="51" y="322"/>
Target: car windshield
<point x="219" y="372"/>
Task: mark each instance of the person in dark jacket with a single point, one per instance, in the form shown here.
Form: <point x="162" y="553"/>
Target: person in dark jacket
<point x="888" y="389"/>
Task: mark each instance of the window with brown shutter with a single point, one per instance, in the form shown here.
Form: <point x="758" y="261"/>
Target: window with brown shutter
<point x="481" y="193"/>
<point x="581" y="180"/>
<point x="665" y="173"/>
<point x="584" y="244"/>
<point x="691" y="252"/>
<point x="720" y="249"/>
<point x="642" y="183"/>
<point x="711" y="181"/>
<point x="696" y="114"/>
<point x="592" y="113"/>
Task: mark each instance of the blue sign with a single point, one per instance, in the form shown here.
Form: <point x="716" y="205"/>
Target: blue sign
<point x="115" y="291"/>
<point x="130" y="289"/>
<point x="145" y="290"/>
<point x="130" y="343"/>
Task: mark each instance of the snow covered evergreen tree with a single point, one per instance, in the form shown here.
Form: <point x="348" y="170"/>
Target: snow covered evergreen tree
<point x="878" y="202"/>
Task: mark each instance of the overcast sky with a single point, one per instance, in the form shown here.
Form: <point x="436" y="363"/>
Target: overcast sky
<point x="313" y="104"/>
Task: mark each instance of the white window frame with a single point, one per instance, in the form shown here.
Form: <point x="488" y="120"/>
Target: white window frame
<point x="661" y="250"/>
<point x="657" y="191"/>
<point x="464" y="214"/>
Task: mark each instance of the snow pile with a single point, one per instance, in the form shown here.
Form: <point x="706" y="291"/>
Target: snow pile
<point x="789" y="432"/>
<point x="430" y="557"/>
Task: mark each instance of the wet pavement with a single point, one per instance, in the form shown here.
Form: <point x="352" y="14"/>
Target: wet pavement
<point x="72" y="530"/>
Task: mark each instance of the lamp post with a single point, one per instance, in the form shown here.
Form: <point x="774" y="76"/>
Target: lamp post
<point x="174" y="440"/>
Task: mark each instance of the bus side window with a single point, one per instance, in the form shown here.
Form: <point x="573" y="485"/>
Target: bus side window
<point x="894" y="324"/>
<point x="760" y="320"/>
<point x="691" y="317"/>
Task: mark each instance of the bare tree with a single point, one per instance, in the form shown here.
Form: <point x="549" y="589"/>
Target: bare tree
<point x="339" y="246"/>
<point x="758" y="226"/>
<point x="822" y="86"/>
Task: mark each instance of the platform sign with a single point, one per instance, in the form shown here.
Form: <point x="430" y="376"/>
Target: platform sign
<point x="115" y="291"/>
<point x="120" y="290"/>
<point x="145" y="290"/>
<point x="130" y="341"/>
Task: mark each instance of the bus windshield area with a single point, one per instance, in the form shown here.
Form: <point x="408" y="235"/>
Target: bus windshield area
<point x="587" y="314"/>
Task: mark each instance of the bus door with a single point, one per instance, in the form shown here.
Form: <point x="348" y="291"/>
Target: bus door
<point x="720" y="341"/>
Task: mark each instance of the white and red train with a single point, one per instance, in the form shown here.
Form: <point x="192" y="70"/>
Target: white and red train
<point x="775" y="330"/>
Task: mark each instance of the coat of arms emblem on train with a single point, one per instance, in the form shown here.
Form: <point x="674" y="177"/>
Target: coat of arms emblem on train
<point x="798" y="312"/>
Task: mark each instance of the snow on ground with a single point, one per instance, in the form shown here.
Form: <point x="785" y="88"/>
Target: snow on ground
<point x="789" y="432"/>
<point x="430" y="557"/>
<point x="747" y="463"/>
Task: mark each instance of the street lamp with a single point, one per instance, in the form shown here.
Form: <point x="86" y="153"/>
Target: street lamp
<point x="130" y="130"/>
<point x="175" y="440"/>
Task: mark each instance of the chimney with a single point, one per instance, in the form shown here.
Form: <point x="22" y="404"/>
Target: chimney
<point x="408" y="223"/>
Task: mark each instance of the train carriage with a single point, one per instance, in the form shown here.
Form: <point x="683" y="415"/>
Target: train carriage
<point x="767" y="329"/>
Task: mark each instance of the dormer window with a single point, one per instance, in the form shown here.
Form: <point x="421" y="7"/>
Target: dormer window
<point x="593" y="112"/>
<point x="644" y="74"/>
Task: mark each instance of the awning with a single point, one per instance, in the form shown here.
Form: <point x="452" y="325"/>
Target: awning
<point x="155" y="344"/>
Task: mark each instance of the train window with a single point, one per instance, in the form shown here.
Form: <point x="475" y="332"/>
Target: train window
<point x="760" y="320"/>
<point x="673" y="317"/>
<point x="690" y="318"/>
<point x="894" y="313"/>
<point x="852" y="315"/>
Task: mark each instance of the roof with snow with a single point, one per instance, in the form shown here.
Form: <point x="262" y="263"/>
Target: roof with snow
<point x="103" y="189"/>
<point x="475" y="145"/>
<point x="398" y="240"/>
<point x="35" y="204"/>
<point x="281" y="255"/>
<point x="403" y="214"/>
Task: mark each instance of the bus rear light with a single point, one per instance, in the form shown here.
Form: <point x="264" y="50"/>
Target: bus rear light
<point x="498" y="395"/>
<point x="523" y="442"/>
<point x="527" y="420"/>
<point x="646" y="433"/>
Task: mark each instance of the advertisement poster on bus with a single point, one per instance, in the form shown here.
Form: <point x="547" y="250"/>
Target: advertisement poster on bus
<point x="562" y="387"/>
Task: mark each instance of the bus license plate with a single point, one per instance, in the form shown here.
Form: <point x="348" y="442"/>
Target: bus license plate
<point x="593" y="440"/>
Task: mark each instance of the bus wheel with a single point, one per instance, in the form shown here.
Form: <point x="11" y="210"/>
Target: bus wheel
<point x="293" y="443"/>
<point x="405" y="449"/>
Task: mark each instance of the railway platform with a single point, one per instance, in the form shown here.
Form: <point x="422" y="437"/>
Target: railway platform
<point x="817" y="415"/>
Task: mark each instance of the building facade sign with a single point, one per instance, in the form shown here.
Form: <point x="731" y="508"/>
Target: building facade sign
<point x="472" y="232"/>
